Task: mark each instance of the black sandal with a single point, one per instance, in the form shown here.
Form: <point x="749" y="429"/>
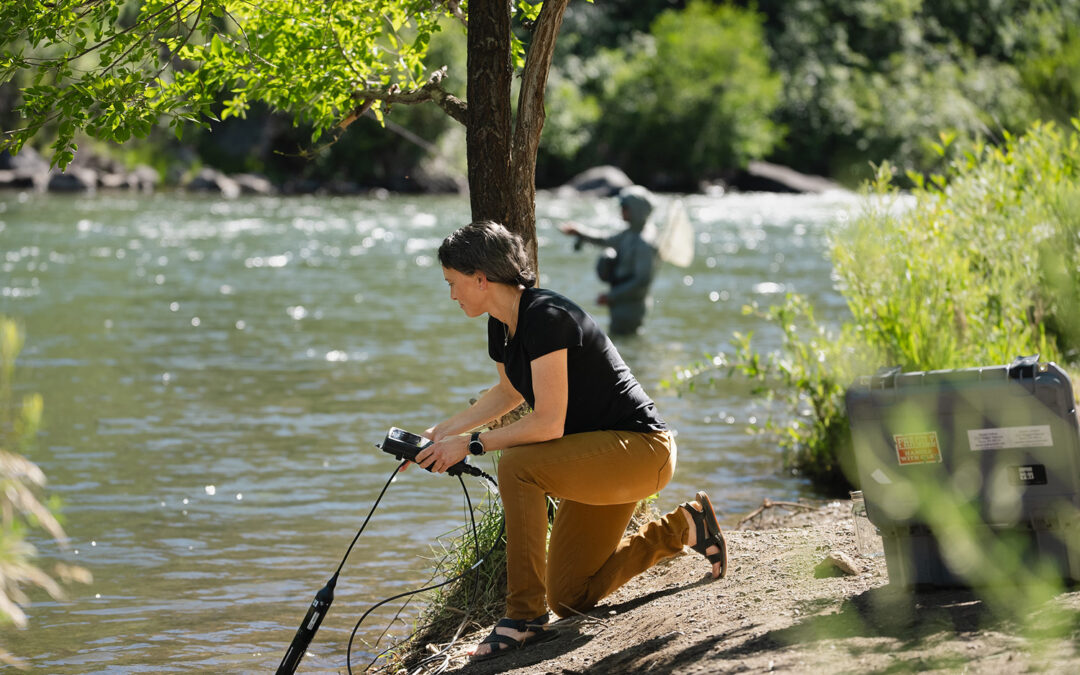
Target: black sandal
<point x="507" y="644"/>
<point x="708" y="532"/>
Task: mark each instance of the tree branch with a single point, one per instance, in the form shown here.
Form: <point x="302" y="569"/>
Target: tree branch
<point x="454" y="7"/>
<point x="768" y="504"/>
<point x="525" y="143"/>
<point x="431" y="91"/>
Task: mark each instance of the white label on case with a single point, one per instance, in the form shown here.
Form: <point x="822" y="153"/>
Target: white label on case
<point x="1038" y="436"/>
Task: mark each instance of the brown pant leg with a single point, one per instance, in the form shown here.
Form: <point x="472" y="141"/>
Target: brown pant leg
<point x="598" y="469"/>
<point x="579" y="576"/>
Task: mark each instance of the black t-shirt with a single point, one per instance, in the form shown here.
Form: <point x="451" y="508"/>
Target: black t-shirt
<point x="603" y="394"/>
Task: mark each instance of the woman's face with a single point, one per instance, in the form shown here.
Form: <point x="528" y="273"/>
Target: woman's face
<point x="466" y="290"/>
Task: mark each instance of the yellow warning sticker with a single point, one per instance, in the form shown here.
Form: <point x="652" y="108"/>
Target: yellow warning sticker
<point x="917" y="448"/>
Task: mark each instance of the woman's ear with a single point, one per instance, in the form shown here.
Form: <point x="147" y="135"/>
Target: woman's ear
<point x="481" y="280"/>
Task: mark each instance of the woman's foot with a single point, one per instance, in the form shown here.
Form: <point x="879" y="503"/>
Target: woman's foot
<point x="509" y="635"/>
<point x="701" y="524"/>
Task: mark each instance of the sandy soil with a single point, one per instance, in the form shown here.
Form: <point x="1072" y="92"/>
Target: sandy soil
<point x="776" y="611"/>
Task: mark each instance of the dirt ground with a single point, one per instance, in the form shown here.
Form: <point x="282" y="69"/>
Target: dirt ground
<point x="777" y="612"/>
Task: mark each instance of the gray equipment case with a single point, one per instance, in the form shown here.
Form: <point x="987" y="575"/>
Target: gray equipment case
<point x="966" y="472"/>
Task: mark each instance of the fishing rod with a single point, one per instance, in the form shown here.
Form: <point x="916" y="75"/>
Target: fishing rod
<point x="404" y="446"/>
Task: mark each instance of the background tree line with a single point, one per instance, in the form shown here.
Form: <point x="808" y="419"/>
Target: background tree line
<point x="680" y="93"/>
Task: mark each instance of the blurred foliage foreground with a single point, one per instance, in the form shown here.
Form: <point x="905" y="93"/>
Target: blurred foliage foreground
<point x="21" y="507"/>
<point x="974" y="267"/>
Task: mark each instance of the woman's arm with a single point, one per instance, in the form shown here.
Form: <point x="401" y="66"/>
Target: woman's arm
<point x="492" y="404"/>
<point x="548" y="417"/>
<point x="543" y="424"/>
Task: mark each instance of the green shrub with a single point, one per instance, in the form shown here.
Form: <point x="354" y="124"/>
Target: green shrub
<point x="690" y="100"/>
<point x="866" y="80"/>
<point x="976" y="266"/>
<point x="808" y="378"/>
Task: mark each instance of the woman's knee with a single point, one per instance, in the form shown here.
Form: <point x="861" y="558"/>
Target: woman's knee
<point x="565" y="601"/>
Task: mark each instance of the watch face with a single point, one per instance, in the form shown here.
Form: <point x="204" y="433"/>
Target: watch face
<point x="476" y="447"/>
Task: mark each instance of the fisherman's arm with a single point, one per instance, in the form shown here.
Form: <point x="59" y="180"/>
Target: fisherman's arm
<point x="585" y="234"/>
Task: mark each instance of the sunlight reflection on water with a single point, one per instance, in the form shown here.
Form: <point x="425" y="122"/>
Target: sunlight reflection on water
<point x="260" y="347"/>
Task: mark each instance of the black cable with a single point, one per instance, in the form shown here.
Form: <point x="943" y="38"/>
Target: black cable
<point x="320" y="606"/>
<point x="370" y="513"/>
<point x="475" y="567"/>
<point x="443" y="653"/>
<point x="323" y="599"/>
<point x="476" y="589"/>
<point x="476" y="538"/>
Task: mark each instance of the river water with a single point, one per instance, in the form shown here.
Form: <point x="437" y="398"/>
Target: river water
<point x="216" y="374"/>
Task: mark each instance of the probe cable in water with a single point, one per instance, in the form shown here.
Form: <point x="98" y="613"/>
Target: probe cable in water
<point x="404" y="446"/>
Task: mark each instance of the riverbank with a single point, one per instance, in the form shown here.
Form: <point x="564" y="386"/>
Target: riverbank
<point x="775" y="613"/>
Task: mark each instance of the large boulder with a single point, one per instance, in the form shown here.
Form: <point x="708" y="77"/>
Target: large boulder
<point x="599" y="181"/>
<point x="141" y="179"/>
<point x="212" y="180"/>
<point x="19" y="180"/>
<point x="428" y="178"/>
<point x="433" y="179"/>
<point x="144" y="178"/>
<point x="254" y="184"/>
<point x="766" y="177"/>
<point x="28" y="160"/>
<point x="26" y="170"/>
<point x="72" y="179"/>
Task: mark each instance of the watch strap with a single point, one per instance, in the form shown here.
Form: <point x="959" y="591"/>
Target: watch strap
<point x="476" y="446"/>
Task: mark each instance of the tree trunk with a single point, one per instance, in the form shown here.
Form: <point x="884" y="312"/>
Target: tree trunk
<point x="487" y="133"/>
<point x="502" y="170"/>
<point x="530" y="124"/>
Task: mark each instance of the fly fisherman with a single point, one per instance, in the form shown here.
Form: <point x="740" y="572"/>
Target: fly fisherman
<point x="627" y="263"/>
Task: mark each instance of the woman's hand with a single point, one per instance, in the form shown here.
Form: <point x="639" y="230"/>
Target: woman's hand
<point x="444" y="453"/>
<point x="434" y="433"/>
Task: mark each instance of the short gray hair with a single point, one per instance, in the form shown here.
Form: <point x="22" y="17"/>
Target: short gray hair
<point x="488" y="247"/>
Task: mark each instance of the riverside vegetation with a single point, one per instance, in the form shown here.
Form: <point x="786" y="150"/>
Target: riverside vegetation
<point x="673" y="93"/>
<point x="23" y="507"/>
<point x="975" y="266"/>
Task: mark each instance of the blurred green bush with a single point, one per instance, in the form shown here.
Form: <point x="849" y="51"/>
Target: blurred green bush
<point x="977" y="265"/>
<point x="22" y="510"/>
<point x="690" y="100"/>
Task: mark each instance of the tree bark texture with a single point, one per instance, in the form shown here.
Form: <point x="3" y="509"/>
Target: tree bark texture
<point x="487" y="134"/>
<point x="530" y="123"/>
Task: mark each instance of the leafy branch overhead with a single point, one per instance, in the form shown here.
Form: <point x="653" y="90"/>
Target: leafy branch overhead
<point x="113" y="69"/>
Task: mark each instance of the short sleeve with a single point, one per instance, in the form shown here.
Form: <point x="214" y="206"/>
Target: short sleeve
<point x="551" y="328"/>
<point x="496" y="340"/>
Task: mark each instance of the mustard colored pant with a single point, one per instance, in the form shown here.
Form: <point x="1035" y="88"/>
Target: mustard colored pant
<point x="599" y="476"/>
